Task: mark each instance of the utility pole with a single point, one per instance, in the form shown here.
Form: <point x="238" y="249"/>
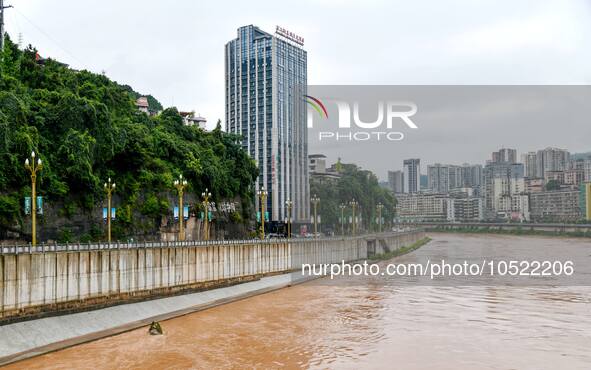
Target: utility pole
<point x="2" y="7"/>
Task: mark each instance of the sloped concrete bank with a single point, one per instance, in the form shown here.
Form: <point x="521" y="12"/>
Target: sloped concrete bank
<point x="26" y="339"/>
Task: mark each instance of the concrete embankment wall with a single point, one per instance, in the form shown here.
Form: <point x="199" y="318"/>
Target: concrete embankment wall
<point x="49" y="279"/>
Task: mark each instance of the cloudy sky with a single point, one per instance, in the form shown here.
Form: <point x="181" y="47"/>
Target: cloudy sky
<point x="174" y="49"/>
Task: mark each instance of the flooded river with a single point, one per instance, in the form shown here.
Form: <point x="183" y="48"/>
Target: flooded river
<point x="364" y="322"/>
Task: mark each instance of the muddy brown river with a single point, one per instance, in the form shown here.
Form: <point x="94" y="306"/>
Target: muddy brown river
<point x="366" y="322"/>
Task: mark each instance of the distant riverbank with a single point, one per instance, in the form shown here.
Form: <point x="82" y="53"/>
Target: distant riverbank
<point x="514" y="231"/>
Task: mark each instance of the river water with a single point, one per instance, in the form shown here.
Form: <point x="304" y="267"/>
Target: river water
<point x="366" y="322"/>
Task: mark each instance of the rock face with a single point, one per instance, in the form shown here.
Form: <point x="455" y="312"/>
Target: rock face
<point x="155" y="328"/>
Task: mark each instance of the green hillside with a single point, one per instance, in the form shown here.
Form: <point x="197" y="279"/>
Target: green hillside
<point x="86" y="128"/>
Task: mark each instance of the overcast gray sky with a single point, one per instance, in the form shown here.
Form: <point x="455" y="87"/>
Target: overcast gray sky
<point x="174" y="49"/>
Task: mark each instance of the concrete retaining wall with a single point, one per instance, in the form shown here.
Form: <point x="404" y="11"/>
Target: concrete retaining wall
<point x="56" y="278"/>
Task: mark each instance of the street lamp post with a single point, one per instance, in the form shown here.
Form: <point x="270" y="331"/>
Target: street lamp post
<point x="109" y="189"/>
<point x="342" y="207"/>
<point x="289" y="205"/>
<point x="262" y="194"/>
<point x="180" y="186"/>
<point x="315" y="200"/>
<point x="353" y="205"/>
<point x="380" y="206"/>
<point x="33" y="168"/>
<point x="206" y="195"/>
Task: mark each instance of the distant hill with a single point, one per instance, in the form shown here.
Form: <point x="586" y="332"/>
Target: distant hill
<point x="581" y="155"/>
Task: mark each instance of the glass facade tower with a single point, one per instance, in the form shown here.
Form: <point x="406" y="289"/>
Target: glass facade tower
<point x="266" y="80"/>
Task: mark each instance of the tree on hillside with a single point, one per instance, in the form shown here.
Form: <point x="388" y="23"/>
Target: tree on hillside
<point x="86" y="128"/>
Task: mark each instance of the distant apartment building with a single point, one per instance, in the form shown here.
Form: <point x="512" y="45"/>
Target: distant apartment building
<point x="497" y="170"/>
<point x="574" y="177"/>
<point x="412" y="175"/>
<point x="587" y="170"/>
<point x="471" y="175"/>
<point x="513" y="207"/>
<point x="417" y="207"/>
<point x="560" y="205"/>
<point x="396" y="181"/>
<point x="533" y="185"/>
<point x="530" y="164"/>
<point x="557" y="176"/>
<point x="504" y="155"/>
<point x="455" y="176"/>
<point x="551" y="159"/>
<point x="438" y="178"/>
<point x="317" y="163"/>
<point x="463" y="192"/>
<point x="468" y="209"/>
<point x="585" y="200"/>
<point x="509" y="198"/>
<point x="318" y="169"/>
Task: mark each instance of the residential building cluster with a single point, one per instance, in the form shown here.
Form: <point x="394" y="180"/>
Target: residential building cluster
<point x="548" y="185"/>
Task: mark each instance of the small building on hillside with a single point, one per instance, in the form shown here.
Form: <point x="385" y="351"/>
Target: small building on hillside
<point x="191" y="119"/>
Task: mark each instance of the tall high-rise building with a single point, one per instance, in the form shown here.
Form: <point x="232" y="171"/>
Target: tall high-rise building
<point x="471" y="175"/>
<point x="530" y="160"/>
<point x="438" y="178"/>
<point x="505" y="155"/>
<point x="552" y="159"/>
<point x="396" y="181"/>
<point x="412" y="175"/>
<point x="266" y="79"/>
<point x="454" y="176"/>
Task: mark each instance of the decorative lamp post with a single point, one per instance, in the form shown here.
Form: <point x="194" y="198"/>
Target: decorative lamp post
<point x="109" y="189"/>
<point x="180" y="186"/>
<point x="315" y="200"/>
<point x="206" y="195"/>
<point x="379" y="207"/>
<point x="33" y="167"/>
<point x="354" y="205"/>
<point x="262" y="194"/>
<point x="342" y="206"/>
<point x="289" y="205"/>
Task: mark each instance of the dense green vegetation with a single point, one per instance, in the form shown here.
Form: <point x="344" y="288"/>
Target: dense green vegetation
<point x="86" y="128"/>
<point x="552" y="185"/>
<point x="354" y="183"/>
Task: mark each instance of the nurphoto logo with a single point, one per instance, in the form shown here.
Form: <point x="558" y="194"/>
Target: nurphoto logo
<point x="389" y="114"/>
